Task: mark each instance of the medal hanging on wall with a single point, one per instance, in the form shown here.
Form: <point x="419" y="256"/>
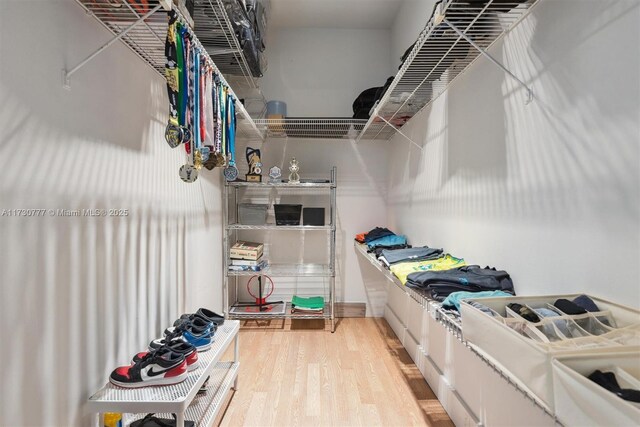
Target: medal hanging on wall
<point x="231" y="171"/>
<point x="202" y="148"/>
<point x="208" y="127"/>
<point x="189" y="171"/>
<point x="218" y="147"/>
<point x="173" y="133"/>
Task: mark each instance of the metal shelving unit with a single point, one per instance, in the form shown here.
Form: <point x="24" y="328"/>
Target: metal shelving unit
<point x="458" y="33"/>
<point x="180" y="399"/>
<point x="143" y="28"/>
<point x="231" y="199"/>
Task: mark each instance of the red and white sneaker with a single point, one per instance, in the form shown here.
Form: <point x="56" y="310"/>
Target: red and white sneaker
<point x="189" y="352"/>
<point x="161" y="367"/>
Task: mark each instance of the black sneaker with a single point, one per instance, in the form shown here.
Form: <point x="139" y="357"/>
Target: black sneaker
<point x="205" y="314"/>
<point x="161" y="367"/>
<point x="189" y="352"/>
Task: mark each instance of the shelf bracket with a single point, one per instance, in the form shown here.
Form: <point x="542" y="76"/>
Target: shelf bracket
<point x="397" y="129"/>
<point x="491" y="58"/>
<point x="66" y="74"/>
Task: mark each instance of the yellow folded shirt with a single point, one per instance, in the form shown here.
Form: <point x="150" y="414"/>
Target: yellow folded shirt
<point x="447" y="262"/>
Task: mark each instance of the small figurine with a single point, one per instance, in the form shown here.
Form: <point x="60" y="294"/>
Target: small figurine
<point x="275" y="174"/>
<point x="294" y="168"/>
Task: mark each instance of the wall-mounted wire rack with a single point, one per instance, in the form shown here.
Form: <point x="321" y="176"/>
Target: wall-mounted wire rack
<point x="319" y="128"/>
<point x="143" y="28"/>
<point x="458" y="32"/>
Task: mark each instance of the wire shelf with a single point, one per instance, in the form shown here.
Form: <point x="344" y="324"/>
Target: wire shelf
<point x="312" y="128"/>
<point x="313" y="185"/>
<point x="326" y="314"/>
<point x="171" y="398"/>
<point x="439" y="56"/>
<point x="289" y="270"/>
<point x="280" y="227"/>
<point x="147" y="40"/>
<point x="205" y="408"/>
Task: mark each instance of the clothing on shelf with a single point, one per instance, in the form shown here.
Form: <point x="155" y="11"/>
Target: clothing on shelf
<point x="446" y="262"/>
<point x="312" y="305"/>
<point x="483" y="308"/>
<point x="421" y="253"/>
<point x="466" y="278"/>
<point x="377" y="251"/>
<point x="389" y="240"/>
<point x="568" y="307"/>
<point x="452" y="301"/>
<point x="586" y="303"/>
<point x="608" y="381"/>
<point x="525" y="312"/>
<point x="377" y="233"/>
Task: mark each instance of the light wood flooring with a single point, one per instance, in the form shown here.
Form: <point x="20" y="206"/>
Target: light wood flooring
<point x="358" y="376"/>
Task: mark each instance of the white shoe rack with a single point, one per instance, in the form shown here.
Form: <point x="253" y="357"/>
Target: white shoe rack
<point x="179" y="399"/>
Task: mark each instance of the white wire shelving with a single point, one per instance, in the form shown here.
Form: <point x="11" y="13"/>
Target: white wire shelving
<point x="457" y="33"/>
<point x="143" y="27"/>
<point x="182" y="398"/>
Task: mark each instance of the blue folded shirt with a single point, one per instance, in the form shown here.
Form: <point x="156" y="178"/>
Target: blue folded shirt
<point x="454" y="298"/>
<point x="391" y="240"/>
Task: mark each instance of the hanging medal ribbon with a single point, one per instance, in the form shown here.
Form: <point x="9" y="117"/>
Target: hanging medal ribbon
<point x="189" y="171"/>
<point x="173" y="133"/>
<point x="195" y="120"/>
<point x="231" y="171"/>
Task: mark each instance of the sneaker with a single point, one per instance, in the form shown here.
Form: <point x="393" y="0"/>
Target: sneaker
<point x="178" y="346"/>
<point x="204" y="314"/>
<point x="201" y="338"/>
<point x="197" y="325"/>
<point x="162" y="367"/>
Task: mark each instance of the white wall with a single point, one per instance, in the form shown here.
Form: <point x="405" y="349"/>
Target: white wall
<point x="82" y="295"/>
<point x="319" y="72"/>
<point x="548" y="191"/>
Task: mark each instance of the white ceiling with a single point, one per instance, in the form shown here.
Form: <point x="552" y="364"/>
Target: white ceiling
<point x="375" y="14"/>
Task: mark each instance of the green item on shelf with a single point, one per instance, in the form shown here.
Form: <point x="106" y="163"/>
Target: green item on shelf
<point x="310" y="303"/>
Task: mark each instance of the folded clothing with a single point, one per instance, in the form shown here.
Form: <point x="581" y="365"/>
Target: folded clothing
<point x="360" y="237"/>
<point x="421" y="253"/>
<point x="482" y="308"/>
<point x="446" y="262"/>
<point x="377" y="233"/>
<point x="524" y="311"/>
<point x="567" y="307"/>
<point x="377" y="251"/>
<point x="560" y="324"/>
<point x="586" y="303"/>
<point x="454" y="298"/>
<point x="608" y="381"/>
<point x="390" y="240"/>
<point x="467" y="278"/>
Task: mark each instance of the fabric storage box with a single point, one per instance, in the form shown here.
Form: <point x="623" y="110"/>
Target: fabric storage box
<point x="252" y="214"/>
<point x="287" y="214"/>
<point x="527" y="360"/>
<point x="581" y="402"/>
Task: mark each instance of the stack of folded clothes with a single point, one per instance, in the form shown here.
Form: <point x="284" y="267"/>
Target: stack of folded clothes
<point x="394" y="256"/>
<point x="470" y="278"/>
<point x="380" y="238"/>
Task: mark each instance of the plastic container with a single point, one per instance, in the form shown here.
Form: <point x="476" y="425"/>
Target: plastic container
<point x="252" y="214"/>
<point x="288" y="214"/>
<point x="276" y="109"/>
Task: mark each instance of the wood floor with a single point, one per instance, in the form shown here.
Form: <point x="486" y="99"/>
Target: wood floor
<point x="358" y="376"/>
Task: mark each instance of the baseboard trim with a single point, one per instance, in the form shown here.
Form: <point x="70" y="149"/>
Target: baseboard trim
<point x="350" y="309"/>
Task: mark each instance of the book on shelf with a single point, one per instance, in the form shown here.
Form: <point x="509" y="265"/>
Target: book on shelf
<point x="258" y="267"/>
<point x="246" y="250"/>
<point x="247" y="262"/>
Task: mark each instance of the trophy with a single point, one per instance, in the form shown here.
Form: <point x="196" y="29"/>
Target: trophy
<point x="274" y="175"/>
<point x="255" y="165"/>
<point x="294" y="168"/>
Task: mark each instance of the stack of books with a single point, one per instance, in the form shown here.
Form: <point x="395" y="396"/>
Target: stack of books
<point x="310" y="305"/>
<point x="247" y="256"/>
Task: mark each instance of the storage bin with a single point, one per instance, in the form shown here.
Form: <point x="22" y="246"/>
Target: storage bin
<point x="527" y="359"/>
<point x="313" y="216"/>
<point x="252" y="214"/>
<point x="581" y="402"/>
<point x="288" y="214"/>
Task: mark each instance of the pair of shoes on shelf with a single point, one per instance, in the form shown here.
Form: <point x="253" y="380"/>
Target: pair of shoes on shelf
<point x="165" y="365"/>
<point x="197" y="329"/>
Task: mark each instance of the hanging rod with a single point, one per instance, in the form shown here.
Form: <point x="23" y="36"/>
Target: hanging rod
<point x="66" y="74"/>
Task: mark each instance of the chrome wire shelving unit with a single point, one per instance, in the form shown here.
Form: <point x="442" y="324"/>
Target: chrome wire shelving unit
<point x="458" y="32"/>
<point x="232" y="196"/>
<point x="181" y="399"/>
<point x="311" y="128"/>
<point x="143" y="28"/>
<point x="451" y="323"/>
